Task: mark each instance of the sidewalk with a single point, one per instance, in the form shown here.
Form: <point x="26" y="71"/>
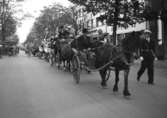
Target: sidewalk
<point x="161" y="64"/>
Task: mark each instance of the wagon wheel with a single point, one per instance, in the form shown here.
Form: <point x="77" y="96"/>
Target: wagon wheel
<point x="76" y="69"/>
<point x="108" y="72"/>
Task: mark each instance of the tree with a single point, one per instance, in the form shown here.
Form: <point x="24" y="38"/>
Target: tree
<point x="48" y="22"/>
<point x="115" y="12"/>
<point x="8" y="21"/>
<point x="12" y="40"/>
<point x="10" y="26"/>
<point x="74" y="17"/>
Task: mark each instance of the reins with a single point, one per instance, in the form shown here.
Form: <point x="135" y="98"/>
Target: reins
<point x="104" y="66"/>
<point x="110" y="62"/>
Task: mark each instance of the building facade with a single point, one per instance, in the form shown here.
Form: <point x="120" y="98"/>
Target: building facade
<point x="89" y="21"/>
<point x="158" y="26"/>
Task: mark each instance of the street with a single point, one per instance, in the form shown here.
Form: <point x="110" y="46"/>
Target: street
<point x="31" y="88"/>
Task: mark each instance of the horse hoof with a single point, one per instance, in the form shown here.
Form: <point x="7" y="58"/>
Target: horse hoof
<point x="104" y="85"/>
<point x="115" y="89"/>
<point x="126" y="93"/>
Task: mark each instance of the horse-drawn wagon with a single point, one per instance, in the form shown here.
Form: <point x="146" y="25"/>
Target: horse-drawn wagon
<point x="104" y="58"/>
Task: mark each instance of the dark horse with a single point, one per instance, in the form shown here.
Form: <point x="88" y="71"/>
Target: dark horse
<point x="121" y="57"/>
<point x="64" y="52"/>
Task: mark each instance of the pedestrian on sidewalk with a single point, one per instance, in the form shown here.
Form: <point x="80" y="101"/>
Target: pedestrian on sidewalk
<point x="147" y="55"/>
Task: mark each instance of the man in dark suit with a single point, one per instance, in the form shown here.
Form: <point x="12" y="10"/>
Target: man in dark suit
<point x="148" y="56"/>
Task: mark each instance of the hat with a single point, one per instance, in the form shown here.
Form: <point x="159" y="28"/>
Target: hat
<point x="147" y="31"/>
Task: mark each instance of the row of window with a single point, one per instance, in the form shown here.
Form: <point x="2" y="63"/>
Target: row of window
<point x="91" y="23"/>
<point x="80" y="13"/>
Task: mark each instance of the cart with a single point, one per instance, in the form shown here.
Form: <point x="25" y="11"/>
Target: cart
<point x="79" y="62"/>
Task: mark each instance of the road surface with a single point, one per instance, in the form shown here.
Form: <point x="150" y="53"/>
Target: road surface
<point x="30" y="88"/>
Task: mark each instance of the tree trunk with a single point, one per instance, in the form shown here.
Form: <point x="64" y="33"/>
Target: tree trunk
<point x="3" y="32"/>
<point x="115" y="33"/>
<point x="3" y="21"/>
<point x="116" y="13"/>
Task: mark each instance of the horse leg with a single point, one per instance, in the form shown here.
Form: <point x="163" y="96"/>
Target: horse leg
<point x="68" y="64"/>
<point x="126" y="91"/>
<point x="64" y="64"/>
<point x="103" y="81"/>
<point x="115" y="89"/>
<point x="59" y="59"/>
<point x="59" y="63"/>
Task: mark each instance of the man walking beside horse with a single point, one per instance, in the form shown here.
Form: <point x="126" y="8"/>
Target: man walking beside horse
<point x="147" y="53"/>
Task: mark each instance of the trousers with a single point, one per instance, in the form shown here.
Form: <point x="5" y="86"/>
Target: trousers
<point x="149" y="65"/>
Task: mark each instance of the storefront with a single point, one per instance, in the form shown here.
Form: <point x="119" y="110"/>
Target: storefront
<point x="158" y="27"/>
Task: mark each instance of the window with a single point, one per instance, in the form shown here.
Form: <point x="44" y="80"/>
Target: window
<point x="91" y="23"/>
<point x="94" y="22"/>
<point x="87" y="24"/>
<point x="97" y="23"/>
<point x="100" y="23"/>
<point x="103" y="23"/>
<point x="79" y="12"/>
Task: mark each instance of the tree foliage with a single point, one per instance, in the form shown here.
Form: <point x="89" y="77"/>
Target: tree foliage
<point x="50" y="19"/>
<point x="8" y="20"/>
<point x="10" y="26"/>
<point x="13" y="40"/>
<point x="115" y="12"/>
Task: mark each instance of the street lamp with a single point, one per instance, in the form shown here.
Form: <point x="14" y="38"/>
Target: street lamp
<point x="159" y="22"/>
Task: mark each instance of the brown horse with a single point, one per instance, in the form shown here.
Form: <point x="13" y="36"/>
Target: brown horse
<point x="121" y="58"/>
<point x="65" y="53"/>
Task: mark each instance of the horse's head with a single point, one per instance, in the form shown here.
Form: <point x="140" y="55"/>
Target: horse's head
<point x="130" y="45"/>
<point x="131" y="42"/>
<point x="82" y="42"/>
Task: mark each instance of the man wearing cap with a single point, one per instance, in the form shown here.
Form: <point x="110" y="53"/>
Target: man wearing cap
<point x="147" y="53"/>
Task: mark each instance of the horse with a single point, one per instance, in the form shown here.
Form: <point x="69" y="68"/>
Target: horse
<point x="67" y="55"/>
<point x="120" y="56"/>
<point x="64" y="52"/>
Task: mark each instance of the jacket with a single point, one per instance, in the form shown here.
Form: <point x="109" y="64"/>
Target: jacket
<point x="147" y="49"/>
